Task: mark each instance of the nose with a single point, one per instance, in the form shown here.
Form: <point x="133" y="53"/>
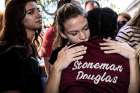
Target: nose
<point x="82" y="35"/>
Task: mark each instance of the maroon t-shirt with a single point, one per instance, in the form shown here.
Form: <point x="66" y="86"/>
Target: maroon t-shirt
<point x="96" y="72"/>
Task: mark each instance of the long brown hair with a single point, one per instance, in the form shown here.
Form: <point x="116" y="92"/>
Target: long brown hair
<point x="14" y="31"/>
<point x="65" y="12"/>
<point x="1" y="20"/>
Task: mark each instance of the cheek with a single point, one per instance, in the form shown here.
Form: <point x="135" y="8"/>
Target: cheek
<point x="27" y="22"/>
<point x="88" y="34"/>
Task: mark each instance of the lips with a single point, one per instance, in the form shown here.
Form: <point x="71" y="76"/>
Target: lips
<point x="39" y="21"/>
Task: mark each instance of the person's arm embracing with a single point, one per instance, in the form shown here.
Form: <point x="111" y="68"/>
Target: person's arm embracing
<point x="65" y="57"/>
<point x="134" y="75"/>
<point x="125" y="50"/>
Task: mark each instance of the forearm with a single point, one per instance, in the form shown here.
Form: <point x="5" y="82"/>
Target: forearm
<point x="53" y="81"/>
<point x="134" y="76"/>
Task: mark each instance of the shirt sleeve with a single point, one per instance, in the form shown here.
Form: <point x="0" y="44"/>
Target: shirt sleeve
<point x="10" y="78"/>
<point x="47" y="43"/>
<point x="125" y="34"/>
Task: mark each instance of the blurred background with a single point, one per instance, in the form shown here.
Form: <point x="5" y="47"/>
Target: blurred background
<point x="48" y="7"/>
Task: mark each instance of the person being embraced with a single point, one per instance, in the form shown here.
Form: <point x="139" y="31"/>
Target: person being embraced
<point x="98" y="72"/>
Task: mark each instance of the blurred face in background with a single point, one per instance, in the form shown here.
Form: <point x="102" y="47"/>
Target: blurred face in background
<point x="90" y="5"/>
<point x="121" y="21"/>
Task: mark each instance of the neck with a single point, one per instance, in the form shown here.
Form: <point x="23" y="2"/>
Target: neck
<point x="30" y="35"/>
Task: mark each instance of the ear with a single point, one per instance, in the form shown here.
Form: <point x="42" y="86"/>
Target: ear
<point x="63" y="35"/>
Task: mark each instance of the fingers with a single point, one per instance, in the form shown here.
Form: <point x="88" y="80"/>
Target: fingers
<point x="110" y="46"/>
<point x="78" y="49"/>
<point x="79" y="53"/>
<point x="106" y="44"/>
<point x="106" y="48"/>
<point x="69" y="53"/>
<point x="110" y="41"/>
<point x="77" y="58"/>
<point x="110" y="51"/>
<point x="69" y="46"/>
<point x="75" y="49"/>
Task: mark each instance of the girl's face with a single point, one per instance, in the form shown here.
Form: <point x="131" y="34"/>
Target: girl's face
<point x="76" y="29"/>
<point x="32" y="20"/>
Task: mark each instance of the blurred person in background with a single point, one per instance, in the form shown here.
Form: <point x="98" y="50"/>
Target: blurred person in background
<point x="91" y="4"/>
<point x="122" y="19"/>
<point x="130" y="33"/>
<point x="48" y="37"/>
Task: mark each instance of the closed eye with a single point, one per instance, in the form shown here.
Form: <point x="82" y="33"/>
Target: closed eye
<point x="73" y="33"/>
<point x="85" y="28"/>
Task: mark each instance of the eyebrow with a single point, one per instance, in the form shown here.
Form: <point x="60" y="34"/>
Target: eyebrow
<point x="31" y="9"/>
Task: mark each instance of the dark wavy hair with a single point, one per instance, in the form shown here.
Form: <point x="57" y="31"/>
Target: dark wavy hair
<point x="102" y="22"/>
<point x="14" y="31"/>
